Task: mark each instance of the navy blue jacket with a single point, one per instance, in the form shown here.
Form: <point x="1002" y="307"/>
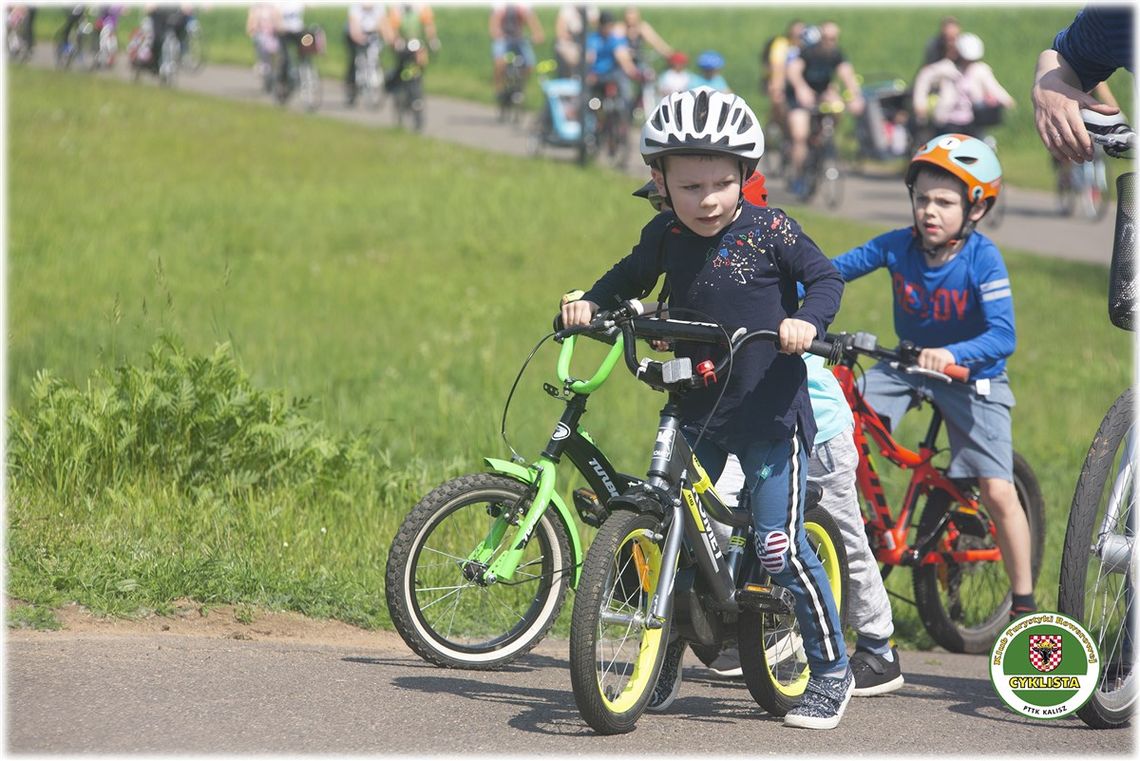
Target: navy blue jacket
<point x="744" y="277"/>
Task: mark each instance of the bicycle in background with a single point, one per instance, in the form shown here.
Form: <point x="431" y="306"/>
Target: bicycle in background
<point x="822" y="172"/>
<point x="1083" y="188"/>
<point x="406" y="84"/>
<point x="302" y="77"/>
<point x="369" y="73"/>
<point x="19" y="21"/>
<point x="960" y="586"/>
<point x="1099" y="560"/>
<point x="511" y="97"/>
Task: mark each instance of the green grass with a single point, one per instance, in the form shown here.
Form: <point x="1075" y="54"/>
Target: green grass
<point x="398" y="282"/>
<point x="881" y="42"/>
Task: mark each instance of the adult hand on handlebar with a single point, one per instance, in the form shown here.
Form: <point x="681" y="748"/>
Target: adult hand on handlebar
<point x="795" y="336"/>
<point x="578" y="313"/>
<point x="935" y="359"/>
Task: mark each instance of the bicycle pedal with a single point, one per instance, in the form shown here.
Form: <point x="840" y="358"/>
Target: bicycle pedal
<point x="766" y="598"/>
<point x="590" y="510"/>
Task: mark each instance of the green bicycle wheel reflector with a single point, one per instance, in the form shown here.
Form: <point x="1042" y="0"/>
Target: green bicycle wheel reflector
<point x="1045" y="666"/>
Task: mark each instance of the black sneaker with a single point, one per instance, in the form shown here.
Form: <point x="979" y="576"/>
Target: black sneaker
<point x="823" y="703"/>
<point x="669" y="680"/>
<point x="874" y="674"/>
<point x="727" y="664"/>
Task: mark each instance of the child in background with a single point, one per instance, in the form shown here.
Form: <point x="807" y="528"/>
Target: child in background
<point x="676" y="78"/>
<point x="710" y="63"/>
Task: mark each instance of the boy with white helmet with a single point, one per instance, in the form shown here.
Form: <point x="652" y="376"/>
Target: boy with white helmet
<point x="730" y="261"/>
<point x="969" y="97"/>
<point x="951" y="293"/>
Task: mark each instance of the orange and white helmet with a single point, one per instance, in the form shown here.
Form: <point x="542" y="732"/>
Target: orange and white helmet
<point x="967" y="158"/>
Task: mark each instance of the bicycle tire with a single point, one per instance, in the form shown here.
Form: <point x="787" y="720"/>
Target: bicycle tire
<point x="488" y="626"/>
<point x="614" y="657"/>
<point x="771" y="653"/>
<point x="831" y="183"/>
<point x="1107" y="708"/>
<point x="969" y="622"/>
<point x="310" y="86"/>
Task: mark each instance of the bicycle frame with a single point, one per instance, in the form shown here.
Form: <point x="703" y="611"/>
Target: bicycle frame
<point x="573" y="441"/>
<point x="893" y="548"/>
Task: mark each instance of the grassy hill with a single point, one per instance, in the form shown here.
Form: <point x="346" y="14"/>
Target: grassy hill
<point x="399" y="284"/>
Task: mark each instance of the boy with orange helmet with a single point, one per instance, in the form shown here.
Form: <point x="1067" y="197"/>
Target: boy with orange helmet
<point x="952" y="295"/>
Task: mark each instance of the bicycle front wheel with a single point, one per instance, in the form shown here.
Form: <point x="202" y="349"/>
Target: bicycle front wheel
<point x="310" y="85"/>
<point x="1098" y="565"/>
<point x="615" y="655"/>
<point x="772" y="655"/>
<point x="436" y="598"/>
<point x="965" y="605"/>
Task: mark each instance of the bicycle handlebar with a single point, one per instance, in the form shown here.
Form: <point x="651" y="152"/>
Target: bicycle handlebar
<point x="1111" y="132"/>
<point x="837" y="347"/>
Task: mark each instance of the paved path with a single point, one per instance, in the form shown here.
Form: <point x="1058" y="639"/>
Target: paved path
<point x="175" y="694"/>
<point x="1031" y="222"/>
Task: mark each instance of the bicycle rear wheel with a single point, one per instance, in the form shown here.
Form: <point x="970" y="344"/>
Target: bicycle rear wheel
<point x="1099" y="565"/>
<point x="964" y="606"/>
<point x="615" y="656"/>
<point x="772" y="656"/>
<point x="435" y="600"/>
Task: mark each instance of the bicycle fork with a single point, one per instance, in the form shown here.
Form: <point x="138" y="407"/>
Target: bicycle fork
<point x="1113" y="545"/>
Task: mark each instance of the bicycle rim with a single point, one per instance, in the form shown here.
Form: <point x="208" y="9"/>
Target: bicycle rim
<point x="1099" y="565"/>
<point x="436" y="600"/>
<point x="780" y="674"/>
<point x="965" y="605"/>
<point x="614" y="656"/>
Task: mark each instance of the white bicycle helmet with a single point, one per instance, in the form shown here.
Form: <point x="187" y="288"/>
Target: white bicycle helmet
<point x="970" y="47"/>
<point x="703" y="120"/>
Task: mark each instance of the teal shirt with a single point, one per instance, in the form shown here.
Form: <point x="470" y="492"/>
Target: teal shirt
<point x="832" y="415"/>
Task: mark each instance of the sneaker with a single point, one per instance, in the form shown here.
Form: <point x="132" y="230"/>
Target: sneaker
<point x="874" y="674"/>
<point x="823" y="702"/>
<point x="727" y="664"/>
<point x="669" y="680"/>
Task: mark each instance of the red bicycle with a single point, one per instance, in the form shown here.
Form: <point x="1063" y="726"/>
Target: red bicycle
<point x="961" y="590"/>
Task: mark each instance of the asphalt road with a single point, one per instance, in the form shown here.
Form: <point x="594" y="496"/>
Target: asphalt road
<point x="1031" y="222"/>
<point x="176" y="694"/>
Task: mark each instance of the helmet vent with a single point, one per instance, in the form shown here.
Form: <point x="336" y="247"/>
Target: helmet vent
<point x="701" y="111"/>
<point x="723" y="119"/>
<point x="745" y="124"/>
<point x="967" y="160"/>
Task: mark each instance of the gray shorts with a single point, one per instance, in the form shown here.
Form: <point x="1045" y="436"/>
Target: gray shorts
<point x="979" y="426"/>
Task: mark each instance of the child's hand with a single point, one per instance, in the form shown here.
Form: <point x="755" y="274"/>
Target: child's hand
<point x="575" y="313"/>
<point x="935" y="359"/>
<point x="795" y="336"/>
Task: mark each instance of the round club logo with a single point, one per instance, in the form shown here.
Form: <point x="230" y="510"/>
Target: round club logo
<point x="1044" y="666"/>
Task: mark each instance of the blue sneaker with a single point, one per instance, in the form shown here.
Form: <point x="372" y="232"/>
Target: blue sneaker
<point x="823" y="702"/>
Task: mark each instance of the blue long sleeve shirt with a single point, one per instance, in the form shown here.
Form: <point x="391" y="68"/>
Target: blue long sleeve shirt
<point x="743" y="277"/>
<point x="965" y="305"/>
<point x="1097" y="43"/>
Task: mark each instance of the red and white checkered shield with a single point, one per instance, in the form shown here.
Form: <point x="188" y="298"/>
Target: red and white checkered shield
<point x="1045" y="651"/>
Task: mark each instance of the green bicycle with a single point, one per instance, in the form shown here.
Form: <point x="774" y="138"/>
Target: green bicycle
<point x="656" y="565"/>
<point x="479" y="569"/>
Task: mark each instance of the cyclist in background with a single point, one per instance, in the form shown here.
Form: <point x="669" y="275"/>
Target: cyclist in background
<point x="969" y="97"/>
<point x="161" y="18"/>
<point x="413" y="21"/>
<point x="774" y="59"/>
<point x="364" y="19"/>
<point x="951" y="294"/>
<point x="810" y="84"/>
<point x="569" y="33"/>
<point x="943" y="44"/>
<point x="676" y="77"/>
<point x="709" y="64"/>
<point x="289" y="24"/>
<point x="609" y="59"/>
<point x="259" y="29"/>
<point x="639" y="31"/>
<point x="508" y="25"/>
<point x="64" y="43"/>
